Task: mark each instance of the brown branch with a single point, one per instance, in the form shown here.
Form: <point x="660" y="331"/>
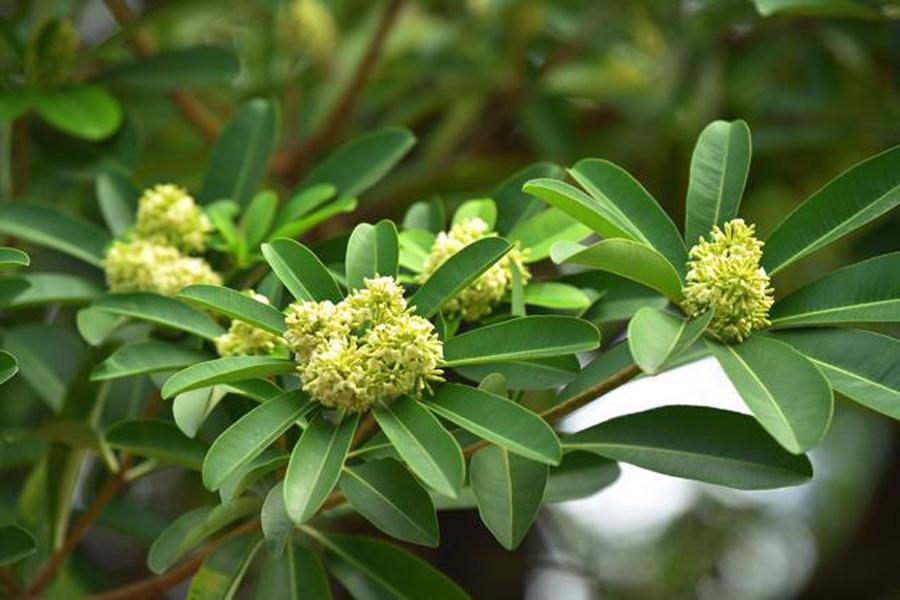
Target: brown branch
<point x="364" y="431"/>
<point x="143" y="45"/>
<point x="9" y="580"/>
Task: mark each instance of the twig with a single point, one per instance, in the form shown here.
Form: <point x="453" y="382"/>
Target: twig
<point x="143" y="45"/>
<point x="9" y="580"/>
<point x="364" y="431"/>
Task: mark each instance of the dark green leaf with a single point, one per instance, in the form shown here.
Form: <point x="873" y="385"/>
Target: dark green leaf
<point x="15" y="544"/>
<point x="13" y="257"/>
<point x="538" y="374"/>
<point x="276" y="523"/>
<point x="182" y="68"/>
<point x="46" y="288"/>
<point x="88" y="112"/>
<point x="190" y="409"/>
<point x="258" y="218"/>
<point x="304" y="201"/>
<point x="301" y="272"/>
<point x="139" y="358"/>
<point x="515" y="206"/>
<point x="47" y="226"/>
<point x="160" y="310"/>
<point x="8" y="366"/>
<point x="118" y="199"/>
<point x="157" y="439"/>
<point x="427" y="215"/>
<point x="615" y="360"/>
<point x="579" y="475"/>
<point x="656" y="337"/>
<point x="225" y="370"/>
<point x="372" y="251"/>
<point x="235" y="305"/>
<point x="297" y="574"/>
<point x="221" y="573"/>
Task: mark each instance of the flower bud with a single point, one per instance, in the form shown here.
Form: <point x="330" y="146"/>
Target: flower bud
<point x="245" y="339"/>
<point x="143" y="266"/>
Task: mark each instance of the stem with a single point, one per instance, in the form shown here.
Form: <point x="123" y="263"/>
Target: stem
<point x="364" y="431"/>
<point x="9" y="580"/>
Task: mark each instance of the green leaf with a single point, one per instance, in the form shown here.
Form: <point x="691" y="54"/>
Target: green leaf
<point x="509" y="490"/>
<point x="719" y="170"/>
<point x="13" y="103"/>
<point x="656" y="337"/>
<point x="384" y="492"/>
<point x="559" y="296"/>
<point x="225" y="370"/>
<point x="46" y="288"/>
<point x="47" y="226"/>
<point x="866" y="292"/>
<point x="221" y="573"/>
<point x="358" y="165"/>
<point x="269" y="460"/>
<point x="538" y="233"/>
<point x="415" y="247"/>
<point x="615" y="298"/>
<point x="427" y="215"/>
<point x="296" y="574"/>
<point x="696" y="442"/>
<point x="315" y="465"/>
<point x="160" y="310"/>
<point x="258" y="218"/>
<point x="642" y="217"/>
<point x="301" y="272"/>
<point x="629" y="259"/>
<point x="15" y="544"/>
<point x="578" y="205"/>
<point x="515" y="206"/>
<point x="240" y="157"/>
<point x="605" y="365"/>
<point x="276" y="524"/>
<point x="787" y="394"/>
<point x="118" y="199"/>
<point x="579" y="475"/>
<point x="49" y="358"/>
<point x="304" y="201"/>
<point x="538" y="374"/>
<point x="13" y="257"/>
<point x="819" y="8"/>
<point x="372" y="251"/>
<point x="426" y="447"/>
<point x="190" y="409"/>
<point x="497" y="420"/>
<point x="247" y="437"/>
<point x="88" y="112"/>
<point x="344" y="204"/>
<point x="157" y="439"/>
<point x="96" y="325"/>
<point x="457" y="273"/>
<point x="139" y="358"/>
<point x="173" y="69"/>
<point x="8" y="366"/>
<point x="516" y="293"/>
<point x="483" y="209"/>
<point x="393" y="572"/>
<point x="861" y="365"/>
<point x="864" y="192"/>
<point x="524" y="338"/>
<point x="235" y="305"/>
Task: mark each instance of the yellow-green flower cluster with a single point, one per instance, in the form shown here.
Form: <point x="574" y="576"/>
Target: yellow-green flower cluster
<point x="243" y="338"/>
<point x="169" y="227"/>
<point x="724" y="274"/>
<point x="367" y="348"/>
<point x="483" y="294"/>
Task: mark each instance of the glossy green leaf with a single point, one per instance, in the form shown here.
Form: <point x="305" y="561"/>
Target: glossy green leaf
<point x="304" y="201"/>
<point x="139" y="358"/>
<point x="13" y="257"/>
<point x="509" y="490"/>
<point x="786" y="392"/>
<point x="457" y="273"/>
<point x="47" y="226"/>
<point x="31" y="289"/>
<point x="696" y="442"/>
<point x="315" y="465"/>
<point x="221" y="573"/>
<point x="385" y="493"/>
<point x="524" y="338"/>
<point x="656" y="337"/>
<point x="118" y="200"/>
<point x="538" y="233"/>
<point x="861" y="365"/>
<point x="426" y="447"/>
<point x="225" y="370"/>
<point x="240" y="157"/>
<point x="258" y="218"/>
<point x="719" y="170"/>
<point x="484" y="209"/>
<point x="862" y="193"/>
<point x="235" y="305"/>
<point x="581" y="207"/>
<point x="160" y="310"/>
<point x="301" y="272"/>
<point x="292" y="229"/>
<point x="156" y="439"/>
<point x="247" y="437"/>
<point x="8" y="366"/>
<point x="559" y="296"/>
<point x="537" y="374"/>
<point x="88" y="112"/>
<point x="868" y="291"/>
<point x="515" y="206"/>
<point x="427" y="215"/>
<point x="372" y="251"/>
<point x="415" y="246"/>
<point x="629" y="259"/>
<point x="15" y="544"/>
<point x="297" y="574"/>
<point x="361" y="163"/>
<point x="172" y="69"/>
<point x="497" y="420"/>
<point x="190" y="409"/>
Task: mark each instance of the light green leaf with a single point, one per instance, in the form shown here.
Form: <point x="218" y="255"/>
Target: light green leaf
<point x="696" y="442"/>
<point x="862" y="193"/>
<point x="8" y="366"/>
<point x="156" y="439"/>
<point x="292" y="229"/>
<point x="13" y="257"/>
<point x="656" y="337"/>
<point x="509" y="490"/>
<point x="190" y="409"/>
<point x="118" y="199"/>
<point x="581" y="207"/>
<point x="524" y="338"/>
<point x="483" y="209"/>
<point x="538" y="374"/>
<point x="172" y="69"/>
<point x="225" y="370"/>
<point x="559" y="296"/>
<point x="296" y="574"/>
<point x="46" y="288"/>
<point x="372" y="251"/>
<point x="96" y="325"/>
<point x="426" y="447"/>
<point x="160" y="310"/>
<point x="221" y="573"/>
<point x="719" y="170"/>
<point x="276" y="524"/>
<point x="139" y="358"/>
<point x="819" y="8"/>
<point x="88" y="112"/>
<point x="47" y="226"/>
<point x="415" y="247"/>
<point x="269" y="460"/>
<point x="516" y="293"/>
<point x="15" y="544"/>
<point x="538" y="233"/>
<point x="258" y="218"/>
<point x="787" y="394"/>
<point x="515" y="206"/>
<point x="235" y="305"/>
<point x="427" y="215"/>
<point x="866" y="292"/>
<point x="304" y="201"/>
<point x="315" y="465"/>
<point x="301" y="272"/>
<point x="13" y="103"/>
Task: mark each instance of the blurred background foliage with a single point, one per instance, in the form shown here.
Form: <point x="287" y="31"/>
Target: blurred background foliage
<point x="487" y="86"/>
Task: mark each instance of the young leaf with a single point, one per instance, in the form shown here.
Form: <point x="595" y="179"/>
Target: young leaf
<point x="47" y="226"/>
<point x="235" y="305"/>
<point x="15" y="544"/>
<point x="160" y="310"/>
<point x="8" y="366"/>
<point x="509" y="490"/>
<point x="13" y="257"/>
<point x="484" y="209"/>
<point x="295" y="574"/>
<point x="862" y="193"/>
<point x="866" y="292"/>
<point x="629" y="259"/>
<point x="118" y="199"/>
<point x="426" y="447"/>
<point x="581" y="207"/>
<point x="315" y="465"/>
<point x="140" y="358"/>
<point x="301" y="272"/>
<point x="538" y="233"/>
<point x="247" y="437"/>
<point x="787" y="394"/>
<point x="719" y="170"/>
<point x="515" y="206"/>
<point x="498" y="420"/>
<point x="559" y="296"/>
<point x="47" y="288"/>
<point x="861" y="365"/>
<point x="372" y="251"/>
<point x="457" y="273"/>
<point x="656" y="337"/>
<point x="695" y="442"/>
<point x="225" y="370"/>
<point x="88" y="111"/>
<point x="157" y="439"/>
<point x="171" y="69"/>
<point x="524" y="338"/>
<point x="221" y="573"/>
<point x="258" y="218"/>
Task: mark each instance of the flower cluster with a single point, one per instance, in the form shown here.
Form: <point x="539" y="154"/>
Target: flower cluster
<point x="243" y="338"/>
<point x="724" y="274"/>
<point x="169" y="227"/>
<point x="367" y="348"/>
<point x="480" y="297"/>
